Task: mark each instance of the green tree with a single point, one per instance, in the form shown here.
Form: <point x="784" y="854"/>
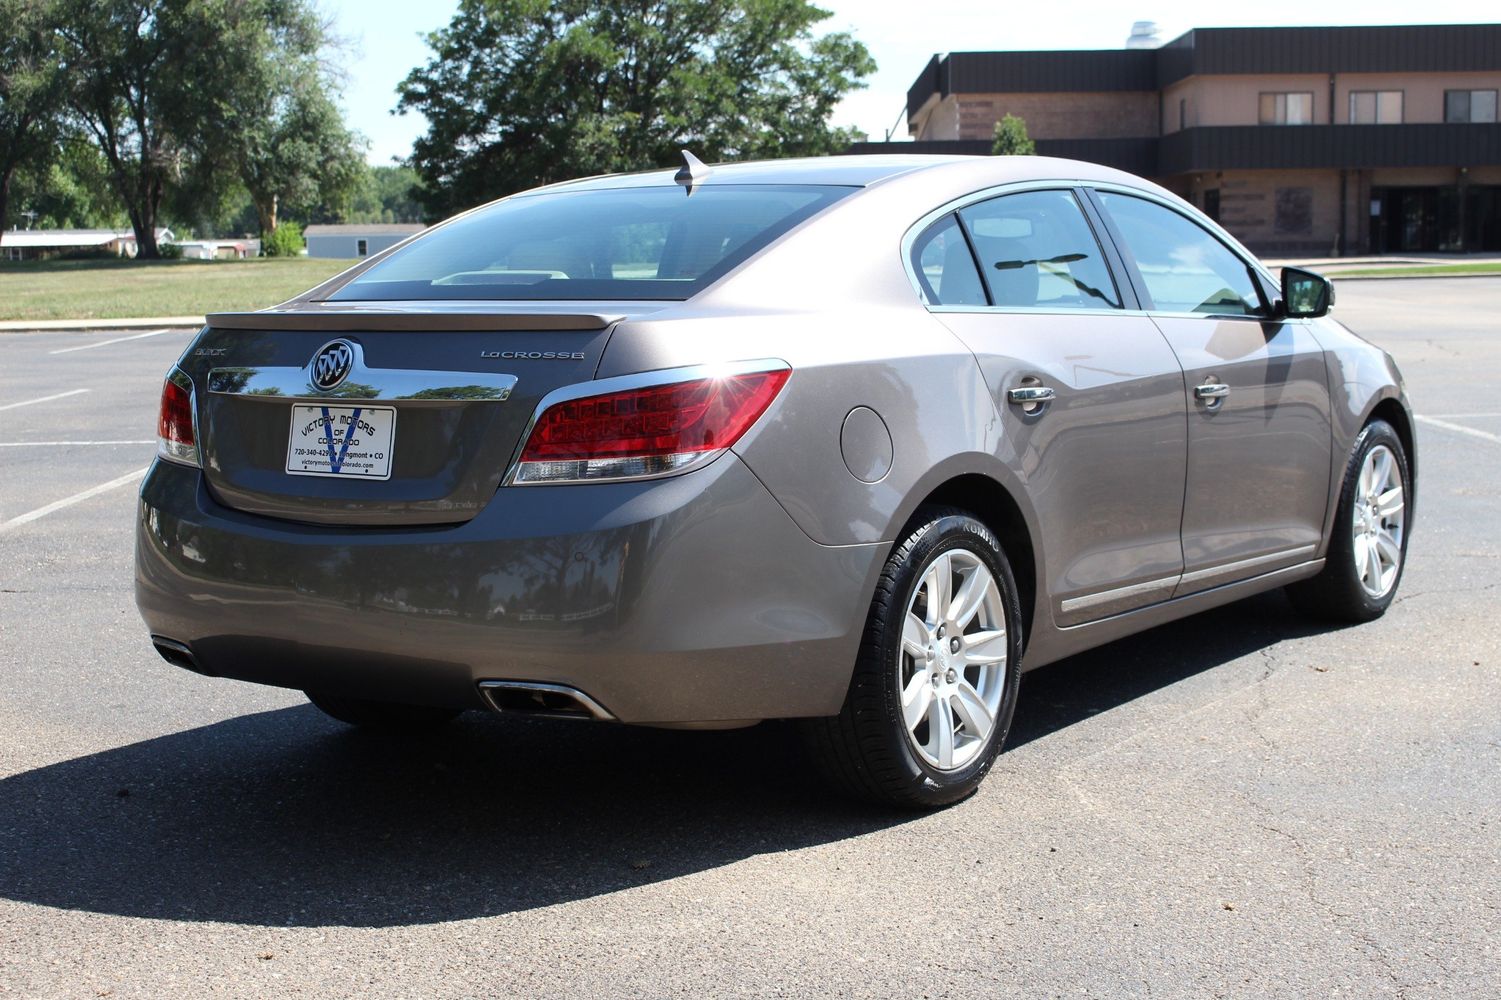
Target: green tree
<point x="387" y="194"/>
<point x="279" y="129"/>
<point x="521" y="92"/>
<point x="30" y="103"/>
<point x="71" y="191"/>
<point x="197" y="96"/>
<point x="1011" y="138"/>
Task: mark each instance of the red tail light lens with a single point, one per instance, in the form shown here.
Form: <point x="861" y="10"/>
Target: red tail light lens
<point x="648" y="431"/>
<point x="175" y="440"/>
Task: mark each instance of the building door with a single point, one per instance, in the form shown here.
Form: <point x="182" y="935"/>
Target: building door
<point x="1405" y="220"/>
<point x="1257" y="396"/>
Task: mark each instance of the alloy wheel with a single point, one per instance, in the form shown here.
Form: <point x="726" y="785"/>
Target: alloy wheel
<point x="951" y="669"/>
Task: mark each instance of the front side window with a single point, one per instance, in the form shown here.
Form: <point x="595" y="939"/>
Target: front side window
<point x="1036" y="250"/>
<point x="613" y="243"/>
<point x="1287" y="109"/>
<point x="945" y="268"/>
<point x="1184" y="268"/>
<point x="1375" y="107"/>
<point x="1469" y="106"/>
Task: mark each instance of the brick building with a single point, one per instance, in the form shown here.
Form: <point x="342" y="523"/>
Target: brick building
<point x="1298" y="140"/>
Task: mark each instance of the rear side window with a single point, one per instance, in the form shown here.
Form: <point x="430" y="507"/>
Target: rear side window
<point x="618" y="243"/>
<point x="1036" y="250"/>
<point x="1184" y="268"/>
<point x="945" y="268"/>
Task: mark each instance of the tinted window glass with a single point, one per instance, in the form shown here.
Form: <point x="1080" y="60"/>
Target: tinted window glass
<point x="945" y="267"/>
<point x="624" y="243"/>
<point x="1037" y="250"/>
<point x="1184" y="268"/>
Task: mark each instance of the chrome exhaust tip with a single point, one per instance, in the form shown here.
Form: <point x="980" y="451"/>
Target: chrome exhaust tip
<point x="544" y="701"/>
<point x="178" y="654"/>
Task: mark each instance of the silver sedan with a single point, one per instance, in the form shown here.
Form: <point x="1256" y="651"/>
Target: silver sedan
<point x="852" y="441"/>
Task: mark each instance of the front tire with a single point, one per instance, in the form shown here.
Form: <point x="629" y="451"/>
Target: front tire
<point x="383" y="716"/>
<point x="1368" y="550"/>
<point x="934" y="688"/>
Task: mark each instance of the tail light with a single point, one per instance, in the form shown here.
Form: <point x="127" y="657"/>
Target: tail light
<point x="645" y="431"/>
<point x="176" y="440"/>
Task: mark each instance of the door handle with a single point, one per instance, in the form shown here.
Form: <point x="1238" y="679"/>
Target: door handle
<point x="1032" y="394"/>
<point x="1211" y="390"/>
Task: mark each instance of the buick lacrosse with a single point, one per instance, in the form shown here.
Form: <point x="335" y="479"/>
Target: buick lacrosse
<point x="852" y="441"/>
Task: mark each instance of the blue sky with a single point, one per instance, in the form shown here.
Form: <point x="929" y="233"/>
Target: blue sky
<point x="384" y="41"/>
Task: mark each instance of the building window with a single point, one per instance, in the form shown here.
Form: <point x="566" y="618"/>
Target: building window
<point x="1375" y="107"/>
<point x="362" y="248"/>
<point x="1469" y="105"/>
<point x="1287" y="109"/>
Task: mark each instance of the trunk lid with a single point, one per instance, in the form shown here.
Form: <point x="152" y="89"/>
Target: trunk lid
<point x="414" y="421"/>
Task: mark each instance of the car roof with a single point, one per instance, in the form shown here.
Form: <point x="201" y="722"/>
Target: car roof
<point x="852" y="171"/>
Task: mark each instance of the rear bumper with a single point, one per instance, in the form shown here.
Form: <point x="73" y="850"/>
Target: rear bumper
<point x="693" y="599"/>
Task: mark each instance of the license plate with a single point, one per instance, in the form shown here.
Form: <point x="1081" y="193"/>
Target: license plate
<point x="350" y="442"/>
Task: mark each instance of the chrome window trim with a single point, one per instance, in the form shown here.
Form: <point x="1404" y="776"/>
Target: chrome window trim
<point x="624" y="383"/>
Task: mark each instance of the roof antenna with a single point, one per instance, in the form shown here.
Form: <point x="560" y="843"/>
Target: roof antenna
<point x="693" y="171"/>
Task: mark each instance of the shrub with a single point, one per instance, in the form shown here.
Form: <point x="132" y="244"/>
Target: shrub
<point x="285" y="241"/>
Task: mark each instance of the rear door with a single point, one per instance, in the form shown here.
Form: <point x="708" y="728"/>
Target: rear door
<point x="1089" y="393"/>
<point x="1257" y="395"/>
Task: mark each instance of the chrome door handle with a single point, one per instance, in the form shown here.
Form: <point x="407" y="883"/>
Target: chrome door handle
<point x="1032" y="394"/>
<point x="1211" y="390"/>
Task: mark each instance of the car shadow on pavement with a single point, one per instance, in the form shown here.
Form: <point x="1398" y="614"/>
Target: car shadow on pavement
<point x="1072" y="690"/>
<point x="285" y="818"/>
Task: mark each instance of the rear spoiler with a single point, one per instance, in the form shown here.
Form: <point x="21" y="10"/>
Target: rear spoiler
<point x="358" y="320"/>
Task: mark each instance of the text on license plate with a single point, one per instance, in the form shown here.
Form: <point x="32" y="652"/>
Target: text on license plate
<point x="352" y="441"/>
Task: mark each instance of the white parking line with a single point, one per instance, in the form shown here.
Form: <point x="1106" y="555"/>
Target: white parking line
<point x="1460" y="429"/>
<point x="63" y="444"/>
<point x="1460" y="416"/>
<point x="58" y="505"/>
<point x="43" y="399"/>
<point x="106" y="343"/>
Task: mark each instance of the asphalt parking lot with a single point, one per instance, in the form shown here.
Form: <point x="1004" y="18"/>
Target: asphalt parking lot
<point x="1240" y="804"/>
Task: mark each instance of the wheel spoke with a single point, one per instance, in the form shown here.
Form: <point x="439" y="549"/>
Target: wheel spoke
<point x="941" y="731"/>
<point x="915" y="638"/>
<point x="939" y="586"/>
<point x="981" y="649"/>
<point x="1388" y="547"/>
<point x="1373" y="566"/>
<point x="971" y="596"/>
<point x="1383" y="469"/>
<point x="1389" y="503"/>
<point x="1362" y="547"/>
<point x="973" y="710"/>
<point x="917" y="698"/>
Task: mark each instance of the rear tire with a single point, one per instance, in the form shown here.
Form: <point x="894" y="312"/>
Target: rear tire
<point x="934" y="688"/>
<point x="382" y="715"/>
<point x="1368" y="547"/>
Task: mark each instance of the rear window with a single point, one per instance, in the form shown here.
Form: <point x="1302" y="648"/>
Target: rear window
<point x="619" y="243"/>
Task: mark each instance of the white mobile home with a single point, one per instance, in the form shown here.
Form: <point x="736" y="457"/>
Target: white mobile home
<point x="350" y="242"/>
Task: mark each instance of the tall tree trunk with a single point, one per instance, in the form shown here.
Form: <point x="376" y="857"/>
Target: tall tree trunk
<point x="4" y="200"/>
<point x="265" y="213"/>
<point x="146" y="248"/>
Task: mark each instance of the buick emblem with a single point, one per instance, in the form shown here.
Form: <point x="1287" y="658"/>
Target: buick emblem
<point x="332" y="363"/>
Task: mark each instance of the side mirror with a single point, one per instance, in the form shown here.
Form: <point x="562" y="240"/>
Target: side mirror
<point x="1305" y="295"/>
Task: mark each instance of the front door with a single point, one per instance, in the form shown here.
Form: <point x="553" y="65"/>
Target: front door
<point x="1257" y="396"/>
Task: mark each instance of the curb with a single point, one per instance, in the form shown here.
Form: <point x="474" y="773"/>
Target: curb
<point x="100" y="325"/>
<point x="1404" y="277"/>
